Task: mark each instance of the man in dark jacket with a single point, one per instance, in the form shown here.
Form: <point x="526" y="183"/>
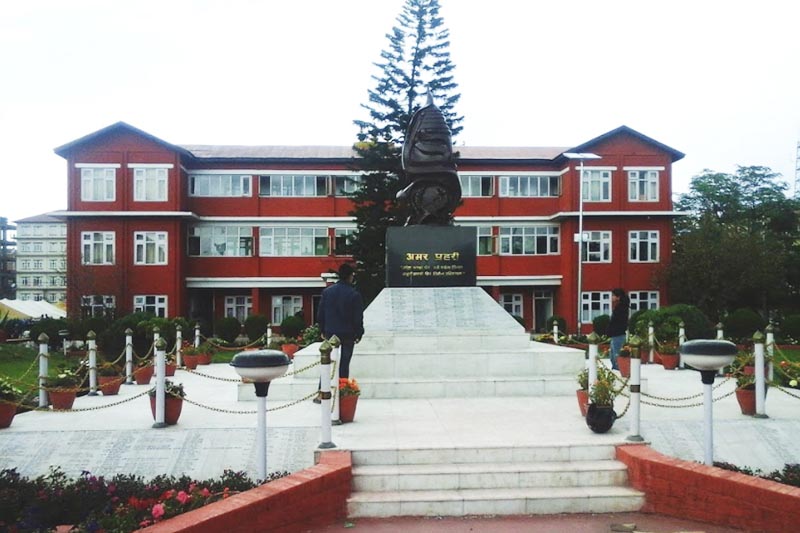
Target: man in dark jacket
<point x="341" y="313"/>
<point x="618" y="325"/>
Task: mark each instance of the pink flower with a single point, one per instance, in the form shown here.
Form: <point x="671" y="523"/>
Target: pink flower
<point x="182" y="497"/>
<point x="205" y="492"/>
<point x="158" y="511"/>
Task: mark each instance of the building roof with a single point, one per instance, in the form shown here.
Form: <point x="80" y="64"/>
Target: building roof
<point x="65" y="149"/>
<point x="30" y="309"/>
<point x="676" y="155"/>
<point x="44" y="218"/>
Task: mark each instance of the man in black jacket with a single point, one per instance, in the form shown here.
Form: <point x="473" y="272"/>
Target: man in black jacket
<point x="341" y="313"/>
<point x="618" y="325"/>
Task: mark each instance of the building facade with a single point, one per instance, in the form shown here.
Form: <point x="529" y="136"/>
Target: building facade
<point x="42" y="259"/>
<point x="210" y="231"/>
<point x="8" y="260"/>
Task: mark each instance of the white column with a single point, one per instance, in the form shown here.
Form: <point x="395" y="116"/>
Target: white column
<point x="161" y="386"/>
<point x="592" y="359"/>
<point x="178" y="345"/>
<point x="90" y="340"/>
<point x="651" y="342"/>
<point x="43" y="368"/>
<point x="336" y="358"/>
<point x="325" y="391"/>
<point x="708" y="435"/>
<point x="555" y="331"/>
<point x="681" y="339"/>
<point x="129" y="356"/>
<point x="770" y="347"/>
<point x="761" y="388"/>
<point x="196" y="335"/>
<point x="269" y="334"/>
<point x="634" y="384"/>
<point x="261" y="438"/>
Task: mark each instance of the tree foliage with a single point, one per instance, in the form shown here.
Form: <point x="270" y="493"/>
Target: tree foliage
<point x="416" y="58"/>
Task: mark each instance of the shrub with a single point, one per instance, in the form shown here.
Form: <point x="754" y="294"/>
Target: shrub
<point x="256" y="326"/>
<point x="292" y="326"/>
<point x="50" y="327"/>
<point x="228" y="328"/>
<point x="562" y="324"/>
<point x="600" y="324"/>
<point x="790" y="327"/>
<point x="666" y="322"/>
<point x="742" y="324"/>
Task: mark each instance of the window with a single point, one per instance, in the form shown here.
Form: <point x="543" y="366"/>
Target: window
<point x="51" y="297"/>
<point x="53" y="282"/>
<point x="218" y="241"/>
<point x="643" y="246"/>
<point x="25" y="264"/>
<point x="292" y="185"/>
<point x="343" y="241"/>
<point x="641" y="300"/>
<point x="643" y="185"/>
<point x="485" y="242"/>
<point x="25" y="247"/>
<point x="37" y="247"/>
<point x="283" y="306"/>
<point x="37" y="281"/>
<point x="345" y="185"/>
<point x="62" y="264"/>
<point x="531" y="240"/>
<point x="98" y="248"/>
<point x="594" y="304"/>
<point x="239" y="307"/>
<point x="38" y="297"/>
<point x="597" y="185"/>
<point x="101" y="305"/>
<point x="150" y="184"/>
<point x="150" y="248"/>
<point x="220" y="185"/>
<point x="476" y="185"/>
<point x="24" y="296"/>
<point x="53" y="247"/>
<point x="530" y="186"/>
<point x="293" y="241"/>
<point x="598" y="248"/>
<point x="54" y="264"/>
<point x="98" y="184"/>
<point x="38" y="264"/>
<point x="24" y="281"/>
<point x="151" y="303"/>
<point x="512" y="303"/>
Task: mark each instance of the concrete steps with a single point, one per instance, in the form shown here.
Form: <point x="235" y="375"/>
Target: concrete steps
<point x="490" y="481"/>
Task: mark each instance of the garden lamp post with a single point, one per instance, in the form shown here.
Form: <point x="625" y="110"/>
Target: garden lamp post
<point x="708" y="356"/>
<point x="261" y="367"/>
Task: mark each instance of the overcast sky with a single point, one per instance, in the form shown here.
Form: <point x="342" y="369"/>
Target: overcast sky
<point x="717" y="80"/>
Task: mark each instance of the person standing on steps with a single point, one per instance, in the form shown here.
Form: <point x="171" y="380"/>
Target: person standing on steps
<point x="341" y="313"/>
<point x="618" y="325"/>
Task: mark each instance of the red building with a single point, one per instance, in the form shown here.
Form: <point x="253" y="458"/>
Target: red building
<point x="208" y="231"/>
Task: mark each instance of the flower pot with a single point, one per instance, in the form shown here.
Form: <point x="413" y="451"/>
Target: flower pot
<point x="670" y="360"/>
<point x="143" y="374"/>
<point x="170" y="369"/>
<point x="204" y="359"/>
<point x="7" y="412"/>
<point x="191" y="361"/>
<point x="347" y="407"/>
<point x="747" y="401"/>
<point x="624" y="364"/>
<point x="62" y="399"/>
<point x="172" y="409"/>
<point x="289" y="349"/>
<point x="109" y="385"/>
<point x="600" y="418"/>
<point x="583" y="400"/>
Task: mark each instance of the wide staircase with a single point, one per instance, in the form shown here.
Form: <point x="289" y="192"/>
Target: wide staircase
<point x="490" y="481"/>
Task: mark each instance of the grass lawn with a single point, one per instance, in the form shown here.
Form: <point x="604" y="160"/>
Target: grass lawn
<point x="20" y="364"/>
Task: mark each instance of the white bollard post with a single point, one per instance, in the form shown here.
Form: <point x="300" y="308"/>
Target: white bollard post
<point x="196" y="335"/>
<point x="708" y="417"/>
<point x="720" y="335"/>
<point x="634" y="385"/>
<point x="269" y="334"/>
<point x="681" y="339"/>
<point x="325" y="391"/>
<point x="555" y="331"/>
<point x="770" y="347"/>
<point x="161" y="383"/>
<point x="90" y="340"/>
<point x="261" y="437"/>
<point x="593" y="340"/>
<point x="336" y="354"/>
<point x="761" y="386"/>
<point x="651" y="342"/>
<point x="178" y="345"/>
<point x="129" y="356"/>
<point x="43" y="368"/>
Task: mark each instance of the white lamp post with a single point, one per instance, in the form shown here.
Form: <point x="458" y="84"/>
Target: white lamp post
<point x="580" y="238"/>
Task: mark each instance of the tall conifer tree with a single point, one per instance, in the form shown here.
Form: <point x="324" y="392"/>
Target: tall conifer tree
<point x="416" y="59"/>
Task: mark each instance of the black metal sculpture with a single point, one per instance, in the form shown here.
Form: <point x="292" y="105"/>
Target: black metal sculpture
<point x="433" y="192"/>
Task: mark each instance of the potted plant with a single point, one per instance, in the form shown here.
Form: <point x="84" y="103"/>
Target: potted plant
<point x="109" y="377"/>
<point x="144" y="372"/>
<point x="204" y="354"/>
<point x="349" y="391"/>
<point x="668" y="353"/>
<point x="9" y="398"/>
<point x="624" y="361"/>
<point x="291" y="328"/>
<point x="173" y="402"/>
<point x="583" y="391"/>
<point x="170" y="365"/>
<point x="600" y="415"/>
<point x="191" y="356"/>
<point x="746" y="393"/>
<point x="63" y="388"/>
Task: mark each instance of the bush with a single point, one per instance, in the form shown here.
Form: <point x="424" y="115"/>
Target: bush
<point x="562" y="324"/>
<point x="256" y="326"/>
<point x="292" y="326"/>
<point x="50" y="327"/>
<point x="228" y="328"/>
<point x="666" y="322"/>
<point x="600" y="324"/>
<point x="790" y="327"/>
<point x="742" y="324"/>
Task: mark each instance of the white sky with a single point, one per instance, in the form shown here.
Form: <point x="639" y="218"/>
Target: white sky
<point x="717" y="80"/>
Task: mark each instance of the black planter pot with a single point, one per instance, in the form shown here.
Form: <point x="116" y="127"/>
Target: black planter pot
<point x="600" y="418"/>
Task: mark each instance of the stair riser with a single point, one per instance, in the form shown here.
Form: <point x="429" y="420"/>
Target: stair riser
<point x="483" y="455"/>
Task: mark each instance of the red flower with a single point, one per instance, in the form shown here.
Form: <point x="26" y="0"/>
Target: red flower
<point x="158" y="511"/>
<point x="182" y="497"/>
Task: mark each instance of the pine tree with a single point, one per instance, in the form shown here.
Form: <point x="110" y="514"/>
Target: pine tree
<point x="417" y="59"/>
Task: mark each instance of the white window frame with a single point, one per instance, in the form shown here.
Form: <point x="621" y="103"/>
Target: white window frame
<point x="476" y="185"/>
<point x="594" y="304"/>
<point x="283" y="241"/>
<point x="293" y="185"/>
<point x="485" y="236"/>
<point x="598" y="248"/>
<point x="98" y="183"/>
<point x="643" y="243"/>
<point x="220" y="185"/>
<point x="213" y="240"/>
<point x="285" y="305"/>
<point x="91" y="240"/>
<point x="346" y="185"/>
<point x="155" y="242"/>
<point x="643" y="184"/>
<point x="530" y="239"/>
<point x="38" y="264"/>
<point x="530" y="186"/>
<point x="512" y="303"/>
<point x="150" y="184"/>
<point x="596" y="185"/>
<point x="98" y="302"/>
<point x="650" y="300"/>
<point x="155" y="304"/>
<point x="239" y="306"/>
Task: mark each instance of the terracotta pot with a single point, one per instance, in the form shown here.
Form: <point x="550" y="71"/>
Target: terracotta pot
<point x="670" y="361"/>
<point x="170" y="369"/>
<point x="583" y="400"/>
<point x="645" y="356"/>
<point x="747" y="401"/>
<point x="290" y="349"/>
<point x="7" y="412"/>
<point x="143" y="374"/>
<point x="109" y="385"/>
<point x="624" y="364"/>
<point x="204" y="359"/>
<point x="191" y="361"/>
<point x="347" y="407"/>
<point x="600" y="418"/>
<point x="62" y="399"/>
<point x="172" y="409"/>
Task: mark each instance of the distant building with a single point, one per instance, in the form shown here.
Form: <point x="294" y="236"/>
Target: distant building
<point x="212" y="231"/>
<point x="7" y="260"/>
<point x="42" y="259"/>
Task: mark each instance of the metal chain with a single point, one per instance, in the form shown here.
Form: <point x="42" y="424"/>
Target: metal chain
<point x="793" y="395"/>
<point x="684" y="398"/>
<point x="295" y="372"/>
<point x="195" y="372"/>
<point x="33" y="364"/>
<point x="234" y="348"/>
<point x="235" y="412"/>
<point x="681" y="406"/>
<point x="624" y="411"/>
<point x="95" y="408"/>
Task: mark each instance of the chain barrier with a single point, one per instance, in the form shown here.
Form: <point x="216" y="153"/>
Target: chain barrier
<point x="249" y="412"/>
<point x="234" y="348"/>
<point x="684" y="398"/>
<point x="627" y="406"/>
<point x="145" y="356"/>
<point x="21" y="379"/>
<point x="783" y="390"/>
<point x="118" y="359"/>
